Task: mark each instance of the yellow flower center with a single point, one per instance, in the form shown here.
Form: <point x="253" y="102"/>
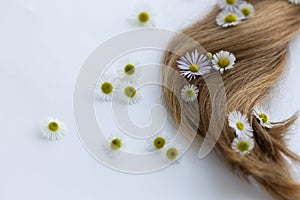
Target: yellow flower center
<point x="53" y="126"/>
<point x="130" y="91"/>
<point x="107" y="88"/>
<point x="159" y="142"/>
<point x="243" y="146"/>
<point x="264" y="117"/>
<point x="144" y="17"/>
<point x="172" y="153"/>
<point x="194" y="68"/>
<point x="189" y="93"/>
<point x="240" y="126"/>
<point x="246" y="11"/>
<point x="230" y="18"/>
<point x="116" y="144"/>
<point x="230" y="2"/>
<point x="129" y="69"/>
<point x="223" y="62"/>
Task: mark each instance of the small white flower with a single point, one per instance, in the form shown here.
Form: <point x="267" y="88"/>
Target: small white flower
<point x="260" y="113"/>
<point x="128" y="92"/>
<point x="171" y="153"/>
<point x="113" y="146"/>
<point x="225" y="4"/>
<point x="243" y="145"/>
<point x="239" y="122"/>
<point x="223" y="60"/>
<point x="229" y="17"/>
<point x="159" y="142"/>
<point x="193" y="65"/>
<point x="129" y="69"/>
<point x="189" y="93"/>
<point x="143" y="17"/>
<point x="53" y="129"/>
<point x="106" y="88"/>
<point x="294" y="1"/>
<point x="247" y="9"/>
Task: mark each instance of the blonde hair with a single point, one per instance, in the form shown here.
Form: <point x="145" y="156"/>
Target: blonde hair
<point x="260" y="45"/>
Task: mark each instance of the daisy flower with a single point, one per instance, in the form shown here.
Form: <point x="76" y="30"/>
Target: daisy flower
<point x="193" y="65"/>
<point x="294" y="1"/>
<point x="53" y="129"/>
<point x="189" y="93"/>
<point x="239" y="122"/>
<point x="247" y="9"/>
<point x="261" y="114"/>
<point x="223" y="60"/>
<point x="143" y="17"/>
<point x="171" y="153"/>
<point x="113" y="145"/>
<point x="224" y="4"/>
<point x="128" y="92"/>
<point x="106" y="89"/>
<point x="128" y="69"/>
<point x="159" y="142"/>
<point x="229" y="17"/>
<point x="243" y="145"/>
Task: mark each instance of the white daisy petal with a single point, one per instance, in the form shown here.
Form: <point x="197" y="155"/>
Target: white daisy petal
<point x="239" y="122"/>
<point x="128" y="92"/>
<point x="106" y="88"/>
<point x="229" y="17"/>
<point x="261" y="114"/>
<point x="225" y="4"/>
<point x="294" y="1"/>
<point x="247" y="10"/>
<point x="143" y="17"/>
<point x="193" y="64"/>
<point x="223" y="60"/>
<point x="53" y="129"/>
<point x="189" y="93"/>
<point x="243" y="145"/>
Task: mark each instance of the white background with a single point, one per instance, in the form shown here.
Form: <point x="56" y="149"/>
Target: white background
<point x="43" y="44"/>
